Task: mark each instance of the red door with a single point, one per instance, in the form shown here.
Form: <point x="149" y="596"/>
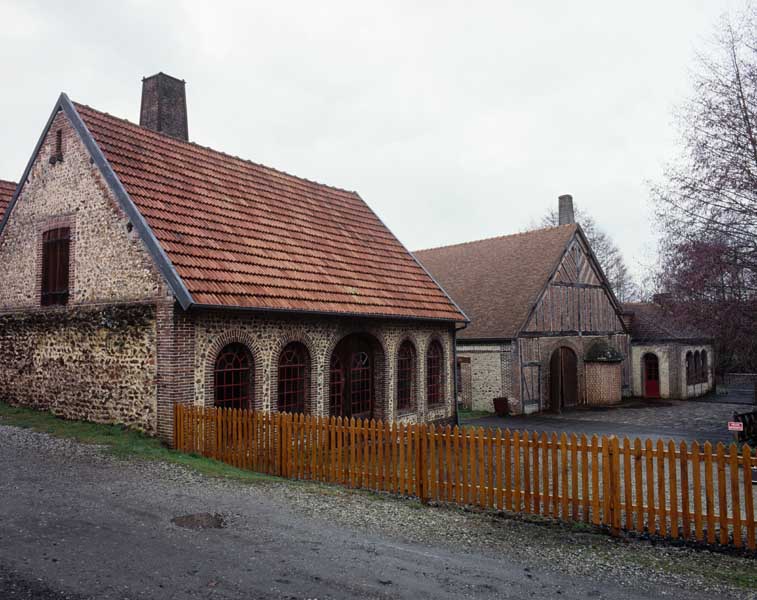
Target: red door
<point x="651" y="376"/>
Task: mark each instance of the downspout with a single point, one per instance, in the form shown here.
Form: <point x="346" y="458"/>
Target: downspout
<point x="454" y="379"/>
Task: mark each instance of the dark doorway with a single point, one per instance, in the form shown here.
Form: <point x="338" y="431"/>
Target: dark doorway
<point x="651" y="376"/>
<point x="563" y="379"/>
<point x="352" y="385"/>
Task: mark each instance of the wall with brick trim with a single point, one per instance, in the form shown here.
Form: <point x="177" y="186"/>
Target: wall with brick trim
<point x="109" y="263"/>
<point x="265" y="335"/>
<point x="96" y="358"/>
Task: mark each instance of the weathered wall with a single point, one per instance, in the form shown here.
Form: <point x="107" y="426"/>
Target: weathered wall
<point x="96" y="364"/>
<point x="490" y="374"/>
<point x="671" y="357"/>
<point x="603" y="384"/>
<point x="95" y="358"/>
<point x="665" y="357"/>
<point x="204" y="333"/>
<point x="109" y="262"/>
<point x="693" y="390"/>
<point x="534" y="356"/>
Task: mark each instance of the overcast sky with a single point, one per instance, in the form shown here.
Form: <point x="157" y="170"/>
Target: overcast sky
<point x="454" y="121"/>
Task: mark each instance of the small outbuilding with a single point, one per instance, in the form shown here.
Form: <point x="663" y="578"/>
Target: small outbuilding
<point x="669" y="357"/>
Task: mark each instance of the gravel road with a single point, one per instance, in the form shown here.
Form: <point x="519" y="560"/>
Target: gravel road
<point x="76" y="523"/>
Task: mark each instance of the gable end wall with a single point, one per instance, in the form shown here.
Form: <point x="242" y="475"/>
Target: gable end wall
<point x="97" y="357"/>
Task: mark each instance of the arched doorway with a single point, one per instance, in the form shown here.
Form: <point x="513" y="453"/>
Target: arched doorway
<point x="651" y="376"/>
<point x="563" y="379"/>
<point x="352" y="387"/>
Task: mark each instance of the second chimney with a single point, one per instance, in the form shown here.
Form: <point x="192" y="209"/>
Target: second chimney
<point x="565" y="214"/>
<point x="164" y="106"/>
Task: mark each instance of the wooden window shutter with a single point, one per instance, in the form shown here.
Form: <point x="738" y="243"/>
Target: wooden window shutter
<point x="55" y="266"/>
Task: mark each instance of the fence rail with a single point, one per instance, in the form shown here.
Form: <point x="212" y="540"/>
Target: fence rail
<point x="679" y="491"/>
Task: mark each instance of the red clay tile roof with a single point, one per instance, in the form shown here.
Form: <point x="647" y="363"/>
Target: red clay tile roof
<point x="7" y="188"/>
<point x="243" y="235"/>
<point x="654" y="322"/>
<point x="496" y="281"/>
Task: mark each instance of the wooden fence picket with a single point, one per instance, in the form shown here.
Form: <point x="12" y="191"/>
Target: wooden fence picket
<point x="674" y="490"/>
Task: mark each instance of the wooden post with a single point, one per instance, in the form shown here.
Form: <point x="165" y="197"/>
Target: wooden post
<point x="613" y="487"/>
<point x="420" y="463"/>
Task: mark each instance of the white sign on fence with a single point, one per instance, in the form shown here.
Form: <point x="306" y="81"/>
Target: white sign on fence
<point x="735" y="426"/>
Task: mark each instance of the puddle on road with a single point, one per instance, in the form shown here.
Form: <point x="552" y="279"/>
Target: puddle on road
<point x="199" y="521"/>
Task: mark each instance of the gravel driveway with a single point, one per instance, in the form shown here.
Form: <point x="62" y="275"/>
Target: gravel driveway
<point x="77" y="523"/>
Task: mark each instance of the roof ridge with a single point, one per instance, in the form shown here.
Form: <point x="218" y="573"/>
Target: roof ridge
<point x="220" y="152"/>
<point x="496" y="237"/>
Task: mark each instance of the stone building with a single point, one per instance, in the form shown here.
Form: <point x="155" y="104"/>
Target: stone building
<point x="546" y="329"/>
<point x="141" y="270"/>
<point x="669" y="358"/>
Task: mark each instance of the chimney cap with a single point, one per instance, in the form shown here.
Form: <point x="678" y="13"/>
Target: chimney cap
<point x="162" y="74"/>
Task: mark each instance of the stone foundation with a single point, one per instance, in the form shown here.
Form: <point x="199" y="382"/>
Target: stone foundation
<point x="94" y="364"/>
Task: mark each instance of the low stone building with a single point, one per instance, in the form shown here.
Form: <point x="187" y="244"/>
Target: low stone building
<point x="141" y="270"/>
<point x="669" y="358"/>
<point x="546" y="329"/>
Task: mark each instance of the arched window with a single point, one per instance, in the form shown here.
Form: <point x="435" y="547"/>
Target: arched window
<point x="352" y="377"/>
<point x="697" y="367"/>
<point x="406" y="376"/>
<point x="705" y="367"/>
<point x="435" y="374"/>
<point x="232" y="376"/>
<point x="361" y="383"/>
<point x="689" y="368"/>
<point x="293" y="378"/>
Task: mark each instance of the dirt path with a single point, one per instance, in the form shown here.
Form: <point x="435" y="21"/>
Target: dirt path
<point x="77" y="523"/>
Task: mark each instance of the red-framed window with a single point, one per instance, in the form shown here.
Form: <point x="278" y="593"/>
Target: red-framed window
<point x="435" y="373"/>
<point x="336" y="386"/>
<point x="361" y="383"/>
<point x="232" y="377"/>
<point x="293" y="378"/>
<point x="56" y="244"/>
<point x="406" y="376"/>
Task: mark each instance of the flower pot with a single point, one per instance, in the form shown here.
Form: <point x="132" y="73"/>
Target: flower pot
<point x="501" y="407"/>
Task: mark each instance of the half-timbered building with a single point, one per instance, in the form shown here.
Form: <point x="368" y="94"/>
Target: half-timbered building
<point x="141" y="270"/>
<point x="546" y="329"/>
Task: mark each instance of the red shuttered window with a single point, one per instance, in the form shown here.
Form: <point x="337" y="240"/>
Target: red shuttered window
<point x="55" y="266"/>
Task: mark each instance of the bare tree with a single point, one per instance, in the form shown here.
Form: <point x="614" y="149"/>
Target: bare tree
<point x="707" y="201"/>
<point x="605" y="249"/>
<point x="710" y="193"/>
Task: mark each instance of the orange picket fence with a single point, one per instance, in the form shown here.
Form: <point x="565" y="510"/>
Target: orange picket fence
<point x="678" y="491"/>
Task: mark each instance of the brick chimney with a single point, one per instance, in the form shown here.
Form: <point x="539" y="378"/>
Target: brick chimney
<point x="164" y="106"/>
<point x="566" y="210"/>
